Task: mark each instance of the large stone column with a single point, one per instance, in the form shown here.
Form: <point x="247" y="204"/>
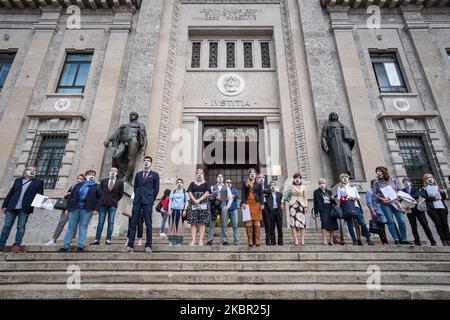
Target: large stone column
<point x="432" y="67"/>
<point x="105" y="99"/>
<point x="364" y="120"/>
<point x="19" y="101"/>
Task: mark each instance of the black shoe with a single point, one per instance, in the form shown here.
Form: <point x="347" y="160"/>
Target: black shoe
<point x="409" y="243"/>
<point x="80" y="249"/>
<point x="268" y="243"/>
<point x="355" y="243"/>
<point x="280" y="243"/>
<point x="63" y="250"/>
<point x="95" y="243"/>
<point x="370" y="242"/>
<point x="433" y="244"/>
<point x="342" y="243"/>
<point x="360" y="243"/>
<point x="225" y="243"/>
<point x="417" y="243"/>
<point x="397" y="243"/>
<point x="108" y="243"/>
<point x="209" y="243"/>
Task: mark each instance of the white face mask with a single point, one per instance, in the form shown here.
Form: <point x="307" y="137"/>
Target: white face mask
<point x="80" y="180"/>
<point x="199" y="176"/>
<point x="252" y="176"/>
<point x="344" y="180"/>
<point x="272" y="188"/>
<point x="220" y="179"/>
<point x="147" y="164"/>
<point x="298" y="181"/>
<point x="90" y="178"/>
<point x="31" y="173"/>
<point x="179" y="185"/>
<point x="229" y="184"/>
<point x="322" y="186"/>
<point x="112" y="174"/>
<point x="430" y="181"/>
<point x="379" y="174"/>
<point x="407" y="184"/>
<point x="261" y="180"/>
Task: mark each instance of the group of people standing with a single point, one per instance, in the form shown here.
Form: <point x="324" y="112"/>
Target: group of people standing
<point x="201" y="205"/>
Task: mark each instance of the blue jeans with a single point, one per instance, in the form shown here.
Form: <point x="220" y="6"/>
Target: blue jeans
<point x="164" y="216"/>
<point x="389" y="213"/>
<point x="111" y="212"/>
<point x="233" y="214"/>
<point x="10" y="218"/>
<point x="77" y="217"/>
<point x="362" y="224"/>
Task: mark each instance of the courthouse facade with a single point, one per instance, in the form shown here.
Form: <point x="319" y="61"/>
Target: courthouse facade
<point x="268" y="71"/>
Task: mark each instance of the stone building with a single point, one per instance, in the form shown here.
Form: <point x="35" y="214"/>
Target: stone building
<point x="267" y="71"/>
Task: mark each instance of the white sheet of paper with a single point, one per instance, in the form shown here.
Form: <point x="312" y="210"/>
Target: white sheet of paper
<point x="389" y="193"/>
<point x="38" y="200"/>
<point x="246" y="214"/>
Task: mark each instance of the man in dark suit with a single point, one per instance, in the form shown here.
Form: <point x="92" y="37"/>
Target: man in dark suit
<point x="17" y="204"/>
<point x="146" y="189"/>
<point x="110" y="191"/>
<point x="276" y="213"/>
<point x="265" y="213"/>
<point x="416" y="214"/>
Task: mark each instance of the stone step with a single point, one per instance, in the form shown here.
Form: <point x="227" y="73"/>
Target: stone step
<point x="224" y="291"/>
<point x="219" y="266"/>
<point x="226" y="277"/>
<point x="232" y="256"/>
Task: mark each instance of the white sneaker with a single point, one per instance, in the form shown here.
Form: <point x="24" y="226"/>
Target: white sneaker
<point x="50" y="243"/>
<point x="170" y="244"/>
<point x="163" y="235"/>
<point x="192" y="244"/>
<point x="140" y="242"/>
<point x="200" y="243"/>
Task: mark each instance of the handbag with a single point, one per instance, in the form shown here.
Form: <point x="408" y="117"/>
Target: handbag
<point x="61" y="204"/>
<point x="127" y="211"/>
<point x="375" y="226"/>
<point x="336" y="213"/>
<point x="422" y="204"/>
<point x="348" y="209"/>
<point x="159" y="206"/>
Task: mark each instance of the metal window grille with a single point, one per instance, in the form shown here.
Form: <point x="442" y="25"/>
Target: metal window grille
<point x="265" y="55"/>
<point x="196" y="54"/>
<point x="248" y="55"/>
<point x="213" y="54"/>
<point x="47" y="153"/>
<point x="418" y="156"/>
<point x="231" y="55"/>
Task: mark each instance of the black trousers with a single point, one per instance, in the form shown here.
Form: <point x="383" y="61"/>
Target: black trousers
<point x="415" y="215"/>
<point x="140" y="226"/>
<point x="382" y="234"/>
<point x="276" y="221"/>
<point x="147" y="210"/>
<point x="266" y="220"/>
<point x="439" y="217"/>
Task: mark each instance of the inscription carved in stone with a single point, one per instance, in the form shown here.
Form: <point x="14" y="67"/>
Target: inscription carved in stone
<point x="230" y="14"/>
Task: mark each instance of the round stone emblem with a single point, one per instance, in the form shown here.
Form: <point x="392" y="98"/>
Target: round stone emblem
<point x="401" y="104"/>
<point x="231" y="84"/>
<point x="62" y="104"/>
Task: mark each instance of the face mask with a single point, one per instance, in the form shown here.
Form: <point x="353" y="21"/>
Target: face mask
<point x="261" y="180"/>
<point x="272" y="188"/>
<point x="379" y="174"/>
<point x="90" y="178"/>
<point x="345" y="180"/>
<point x="147" y="164"/>
<point x="80" y="180"/>
<point x="179" y="185"/>
<point x="252" y="176"/>
<point x="407" y="184"/>
<point x="112" y="174"/>
<point x="30" y="173"/>
<point x="430" y="180"/>
<point x="219" y="179"/>
<point x="298" y="181"/>
<point x="229" y="184"/>
<point x="322" y="186"/>
<point x="199" y="177"/>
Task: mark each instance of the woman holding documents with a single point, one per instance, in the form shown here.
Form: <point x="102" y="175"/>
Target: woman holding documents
<point x="252" y="206"/>
<point x="386" y="189"/>
<point x="436" y="208"/>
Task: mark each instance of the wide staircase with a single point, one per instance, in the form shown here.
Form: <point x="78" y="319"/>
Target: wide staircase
<point x="312" y="271"/>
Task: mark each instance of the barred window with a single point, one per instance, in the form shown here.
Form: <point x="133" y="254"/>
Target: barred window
<point x="265" y="55"/>
<point x="75" y="72"/>
<point x="231" y="55"/>
<point x="47" y="153"/>
<point x="196" y="54"/>
<point x="417" y="156"/>
<point x="6" y="60"/>
<point x="213" y="54"/>
<point x="248" y="55"/>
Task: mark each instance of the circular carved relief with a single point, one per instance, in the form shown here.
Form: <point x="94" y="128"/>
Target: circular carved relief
<point x="62" y="104"/>
<point x="401" y="104"/>
<point x="231" y="84"/>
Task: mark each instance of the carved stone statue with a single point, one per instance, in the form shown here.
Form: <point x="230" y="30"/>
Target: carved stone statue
<point x="127" y="142"/>
<point x="338" y="142"/>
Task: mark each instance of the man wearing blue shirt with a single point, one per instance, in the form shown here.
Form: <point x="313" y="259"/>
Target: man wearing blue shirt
<point x="232" y="212"/>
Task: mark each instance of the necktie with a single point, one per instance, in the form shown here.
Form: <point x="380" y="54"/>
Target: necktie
<point x="145" y="175"/>
<point x="111" y="184"/>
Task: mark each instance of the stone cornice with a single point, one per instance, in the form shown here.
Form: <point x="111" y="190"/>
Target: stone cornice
<point x="385" y="3"/>
<point x="83" y="4"/>
<point x="401" y="115"/>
